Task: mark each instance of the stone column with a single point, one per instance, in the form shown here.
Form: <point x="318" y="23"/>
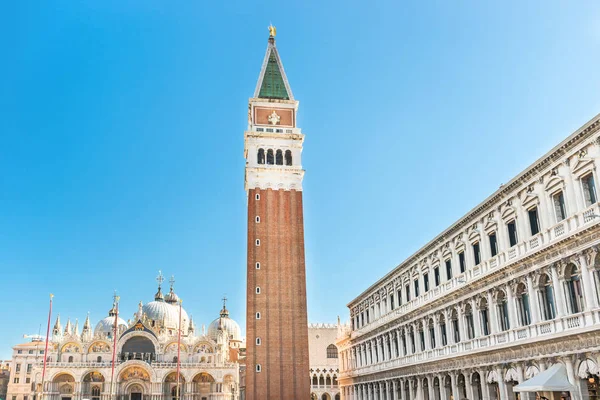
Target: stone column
<point x="504" y="395"/>
<point x="591" y="301"/>
<point x="430" y="388"/>
<point x="455" y="391"/>
<point x="395" y="390"/>
<point x="442" y="387"/>
<point x="559" y="294"/>
<point x="493" y="317"/>
<point x="476" y="318"/>
<point x="534" y="304"/>
<point x="461" y="323"/>
<point x="580" y="392"/>
<point x="419" y="395"/>
<point x="521" y="376"/>
<point x="426" y="335"/>
<point x="399" y="342"/>
<point x="485" y="386"/>
<point x="512" y="308"/>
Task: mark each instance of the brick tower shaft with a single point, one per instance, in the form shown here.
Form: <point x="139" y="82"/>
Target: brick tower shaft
<point x="277" y="327"/>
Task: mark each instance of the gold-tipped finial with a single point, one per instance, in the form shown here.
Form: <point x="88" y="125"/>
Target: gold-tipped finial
<point x="272" y="30"/>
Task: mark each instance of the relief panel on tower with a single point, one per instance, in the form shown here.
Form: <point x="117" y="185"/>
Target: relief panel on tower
<point x="274" y="116"/>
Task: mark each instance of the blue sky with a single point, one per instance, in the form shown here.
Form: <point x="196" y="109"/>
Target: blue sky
<point x="121" y="137"/>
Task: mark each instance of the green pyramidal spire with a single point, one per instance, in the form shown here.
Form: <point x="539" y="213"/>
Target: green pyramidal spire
<point x="272" y="82"/>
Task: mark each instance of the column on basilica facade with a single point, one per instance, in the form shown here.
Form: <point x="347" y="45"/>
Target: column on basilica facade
<point x="492" y="312"/>
<point x="512" y="307"/>
<point x="476" y="318"/>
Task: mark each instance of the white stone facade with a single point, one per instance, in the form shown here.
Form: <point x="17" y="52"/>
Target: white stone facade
<point x="508" y="290"/>
<point x="324" y="361"/>
<point x="79" y="365"/>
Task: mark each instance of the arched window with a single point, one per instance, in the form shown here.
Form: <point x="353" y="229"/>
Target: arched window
<point x="332" y="351"/>
<point x="279" y="157"/>
<point x="70" y="359"/>
<point x="547" y="298"/>
<point x="523" y="304"/>
<point x="321" y="380"/>
<point x="421" y="337"/>
<point x="502" y="305"/>
<point x="288" y="157"/>
<point x="574" y="293"/>
<point x="315" y="381"/>
<point x="328" y="381"/>
<point x="485" y="317"/>
<point x="270" y="157"/>
<point x="261" y="156"/>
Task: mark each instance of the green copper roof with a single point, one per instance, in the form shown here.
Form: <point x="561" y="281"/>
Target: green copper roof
<point x="273" y="86"/>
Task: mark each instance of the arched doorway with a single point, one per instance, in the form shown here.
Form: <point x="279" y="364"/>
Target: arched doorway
<point x="132" y="382"/>
<point x="170" y="386"/>
<point x="203" y="385"/>
<point x="325" y="396"/>
<point x="65" y="385"/>
<point x="93" y="383"/>
<point x="476" y="382"/>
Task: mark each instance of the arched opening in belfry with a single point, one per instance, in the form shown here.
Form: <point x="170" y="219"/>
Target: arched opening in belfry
<point x="288" y="157"/>
<point x="279" y="157"/>
<point x="260" y="158"/>
<point x="270" y="157"/>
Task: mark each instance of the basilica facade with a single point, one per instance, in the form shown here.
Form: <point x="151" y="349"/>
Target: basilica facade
<point x="508" y="292"/>
<point x="148" y="363"/>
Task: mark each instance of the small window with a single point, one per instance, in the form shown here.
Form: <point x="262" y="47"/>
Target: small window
<point x="258" y="368"/>
<point x="258" y="341"/>
<point x="279" y="157"/>
<point x="416" y="281"/>
<point x="258" y="242"/>
<point x="19" y="351"/>
<point x="257" y="219"/>
<point x="559" y="206"/>
<point x="258" y="290"/>
<point x="27" y="380"/>
<point x="16" y="380"/>
<point x="512" y="232"/>
<point x="407" y="289"/>
<point x="30" y="352"/>
<point x="288" y="157"/>
<point x="257" y="265"/>
<point x="99" y="359"/>
<point x="589" y="190"/>
<point x="257" y="315"/>
<point x="449" y="269"/>
<point x="436" y="276"/>
<point x="461" y="262"/>
<point x="493" y="244"/>
<point x="476" y="253"/>
<point x="534" y="222"/>
<point x="257" y="197"/>
<point x="426" y="282"/>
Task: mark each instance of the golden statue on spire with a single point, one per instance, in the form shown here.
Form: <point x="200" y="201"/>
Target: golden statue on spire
<point x="272" y="30"/>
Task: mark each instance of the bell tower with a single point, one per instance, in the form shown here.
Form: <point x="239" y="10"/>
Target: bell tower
<point x="277" y="326"/>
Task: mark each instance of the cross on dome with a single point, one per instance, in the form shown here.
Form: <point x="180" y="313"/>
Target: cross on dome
<point x="160" y="278"/>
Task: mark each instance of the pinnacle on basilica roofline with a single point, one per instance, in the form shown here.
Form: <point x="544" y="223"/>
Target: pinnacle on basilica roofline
<point x="272" y="81"/>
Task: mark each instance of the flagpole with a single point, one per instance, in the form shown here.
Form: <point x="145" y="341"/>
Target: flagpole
<point x="112" y="374"/>
<point x="46" y="348"/>
<point x="179" y="348"/>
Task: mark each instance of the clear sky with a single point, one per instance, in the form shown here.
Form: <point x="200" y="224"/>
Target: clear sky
<point x="121" y="138"/>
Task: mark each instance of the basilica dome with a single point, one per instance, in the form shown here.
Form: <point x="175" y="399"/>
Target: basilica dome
<point x="227" y="324"/>
<point x="106" y="326"/>
<point x="165" y="314"/>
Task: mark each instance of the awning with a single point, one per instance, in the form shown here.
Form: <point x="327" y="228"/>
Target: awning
<point x="554" y="379"/>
